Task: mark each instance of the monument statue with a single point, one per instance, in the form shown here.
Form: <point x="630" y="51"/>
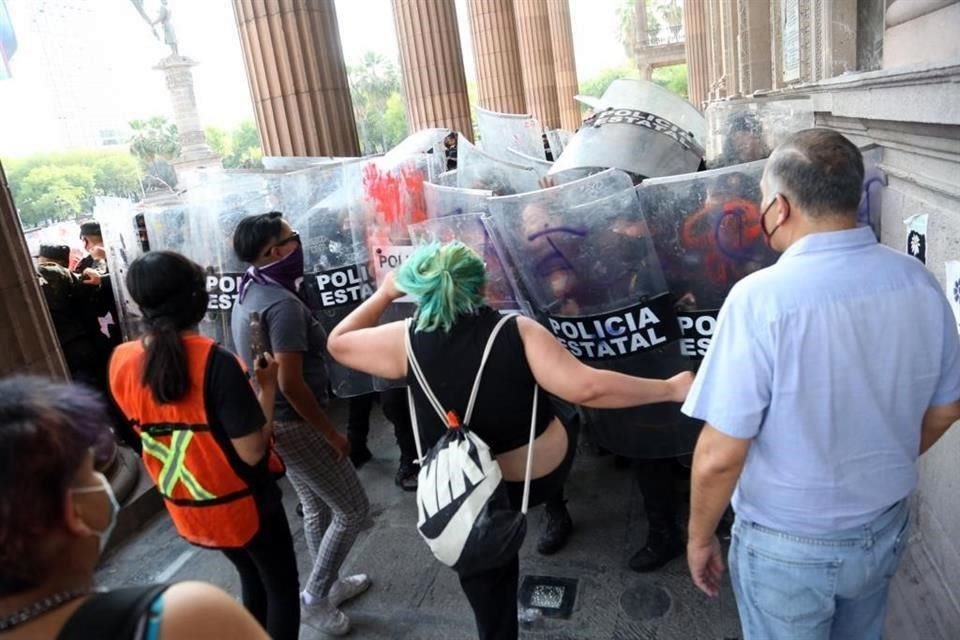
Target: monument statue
<point x="163" y="18"/>
<point x="194" y="151"/>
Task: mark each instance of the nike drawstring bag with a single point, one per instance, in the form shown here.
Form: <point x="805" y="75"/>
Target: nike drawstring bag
<point x="464" y="511"/>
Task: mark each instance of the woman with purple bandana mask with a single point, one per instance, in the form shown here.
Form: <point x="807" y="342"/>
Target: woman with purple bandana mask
<point x="335" y="506"/>
<point x="56" y="517"/>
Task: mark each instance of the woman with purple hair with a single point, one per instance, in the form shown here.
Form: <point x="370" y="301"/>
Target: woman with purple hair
<point x="56" y="515"/>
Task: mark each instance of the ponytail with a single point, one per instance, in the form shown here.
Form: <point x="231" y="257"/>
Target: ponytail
<point x="165" y="367"/>
<point x="171" y="292"/>
<point x="446" y="280"/>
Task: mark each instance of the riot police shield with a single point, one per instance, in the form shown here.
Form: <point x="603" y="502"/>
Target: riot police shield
<point x="558" y="140"/>
<point x="500" y="132"/>
<point x="469" y="228"/>
<point x="707" y="232"/>
<point x="586" y="259"/>
<point x="539" y="165"/>
<point x="448" y="201"/>
<point x="640" y="128"/>
<point x="749" y="129"/>
<point x="121" y="238"/>
<point x="425" y="141"/>
<point x="477" y="169"/>
<point x="200" y="226"/>
<point x="336" y="279"/>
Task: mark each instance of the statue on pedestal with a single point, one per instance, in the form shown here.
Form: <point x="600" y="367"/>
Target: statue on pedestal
<point x="163" y="18"/>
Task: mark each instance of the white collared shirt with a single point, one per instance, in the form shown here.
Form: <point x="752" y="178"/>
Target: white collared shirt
<point x="827" y="361"/>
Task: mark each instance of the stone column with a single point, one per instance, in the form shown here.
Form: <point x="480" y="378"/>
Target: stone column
<point x="431" y="63"/>
<point x="27" y="338"/>
<point x="696" y="48"/>
<point x="193" y="141"/>
<point x="496" y="55"/>
<point x="565" y="63"/>
<point x="297" y="77"/>
<point x="755" y="64"/>
<point x="536" y="58"/>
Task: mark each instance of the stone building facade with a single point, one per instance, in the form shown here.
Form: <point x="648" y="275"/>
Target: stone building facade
<point x="886" y="73"/>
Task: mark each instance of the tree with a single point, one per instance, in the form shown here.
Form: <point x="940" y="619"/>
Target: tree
<point x="375" y="89"/>
<point x="245" y="150"/>
<point x="217" y="140"/>
<point x="154" y="139"/>
<point x="599" y="83"/>
<point x="673" y="78"/>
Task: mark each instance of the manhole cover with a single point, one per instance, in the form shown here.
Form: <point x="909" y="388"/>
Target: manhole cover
<point x="554" y="597"/>
<point x="645" y="601"/>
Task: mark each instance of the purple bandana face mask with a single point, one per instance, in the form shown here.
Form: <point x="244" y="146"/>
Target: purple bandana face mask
<point x="286" y="272"/>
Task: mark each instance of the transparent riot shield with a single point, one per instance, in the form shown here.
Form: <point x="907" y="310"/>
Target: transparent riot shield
<point x="500" y="132"/>
<point x="707" y="233"/>
<point x="558" y="140"/>
<point x="447" y="179"/>
<point x="425" y="141"/>
<point x="296" y="163"/>
<point x="448" y="201"/>
<point x="200" y="226"/>
<point x="640" y="128"/>
<point x="748" y="129"/>
<point x="336" y="278"/>
<point x="585" y="256"/>
<point x="477" y="169"/>
<point x="390" y="197"/>
<point x="121" y="237"/>
<point x="539" y="165"/>
<point x="469" y="228"/>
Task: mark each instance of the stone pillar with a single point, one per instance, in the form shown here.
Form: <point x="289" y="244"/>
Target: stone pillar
<point x="536" y="58"/>
<point x="27" y="338"/>
<point x="697" y="51"/>
<point x="298" y="81"/>
<point x="431" y="63"/>
<point x="193" y="142"/>
<point x="564" y="63"/>
<point x="755" y="64"/>
<point x="497" y="55"/>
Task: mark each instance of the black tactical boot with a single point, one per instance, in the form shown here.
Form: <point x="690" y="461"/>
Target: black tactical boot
<point x="664" y="543"/>
<point x="556" y="530"/>
<point x="406" y="477"/>
<point x="359" y="455"/>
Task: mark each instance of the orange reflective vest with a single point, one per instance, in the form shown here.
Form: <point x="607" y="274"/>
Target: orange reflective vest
<point x="210" y="503"/>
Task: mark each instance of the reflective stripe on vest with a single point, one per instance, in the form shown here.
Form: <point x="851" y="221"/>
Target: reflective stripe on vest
<point x="173" y="468"/>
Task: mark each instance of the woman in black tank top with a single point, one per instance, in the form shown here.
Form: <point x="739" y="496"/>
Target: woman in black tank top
<point x="448" y="335"/>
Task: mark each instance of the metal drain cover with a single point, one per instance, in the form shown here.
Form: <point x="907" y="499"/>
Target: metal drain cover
<point x="645" y="602"/>
<point x="554" y="597"/>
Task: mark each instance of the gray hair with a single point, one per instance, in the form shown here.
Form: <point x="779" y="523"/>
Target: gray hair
<point x="818" y="170"/>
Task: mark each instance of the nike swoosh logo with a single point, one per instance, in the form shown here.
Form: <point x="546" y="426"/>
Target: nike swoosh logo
<point x="456" y="529"/>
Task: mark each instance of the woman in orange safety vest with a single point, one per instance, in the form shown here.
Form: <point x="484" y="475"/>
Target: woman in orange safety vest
<point x="204" y="435"/>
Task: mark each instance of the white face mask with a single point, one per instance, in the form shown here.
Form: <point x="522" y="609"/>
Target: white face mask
<point x="114" y="506"/>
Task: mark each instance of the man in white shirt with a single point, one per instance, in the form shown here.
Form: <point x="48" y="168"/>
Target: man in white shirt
<point x="829" y="374"/>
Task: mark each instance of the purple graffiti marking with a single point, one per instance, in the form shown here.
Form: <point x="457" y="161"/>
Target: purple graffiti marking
<point x="555" y="261"/>
<point x="863" y="211"/>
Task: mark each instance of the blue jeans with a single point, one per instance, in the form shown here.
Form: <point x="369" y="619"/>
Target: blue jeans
<point x="830" y="587"/>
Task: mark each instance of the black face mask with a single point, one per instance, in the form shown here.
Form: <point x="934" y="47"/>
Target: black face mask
<point x="768" y="235"/>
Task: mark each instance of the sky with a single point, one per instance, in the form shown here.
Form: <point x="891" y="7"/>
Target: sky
<point x="103" y="52"/>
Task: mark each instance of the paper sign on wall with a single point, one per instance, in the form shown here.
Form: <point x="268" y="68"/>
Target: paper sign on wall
<point x="917" y="237"/>
<point x="953" y="288"/>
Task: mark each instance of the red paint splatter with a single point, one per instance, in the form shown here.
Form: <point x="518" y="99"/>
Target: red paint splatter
<point x="396" y="196"/>
<point x="727" y="235"/>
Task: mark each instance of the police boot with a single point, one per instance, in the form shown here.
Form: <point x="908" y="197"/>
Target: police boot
<point x="664" y="543"/>
<point x="556" y="530"/>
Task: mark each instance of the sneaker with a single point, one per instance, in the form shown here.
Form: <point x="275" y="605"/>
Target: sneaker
<point x="348" y="588"/>
<point x="321" y="614"/>
<point x="407" y="477"/>
<point x="556" y="531"/>
<point x="360" y="455"/>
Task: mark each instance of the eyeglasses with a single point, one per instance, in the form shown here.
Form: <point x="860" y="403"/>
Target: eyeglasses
<point x="293" y="237"/>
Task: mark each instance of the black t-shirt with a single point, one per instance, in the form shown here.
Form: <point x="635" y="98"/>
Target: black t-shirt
<point x="231" y="402"/>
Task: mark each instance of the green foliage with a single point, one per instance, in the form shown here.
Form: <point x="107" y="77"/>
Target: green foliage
<point x="154" y="139"/>
<point x="673" y="78"/>
<point x="377" y="103"/>
<point x="596" y="85"/>
<point x="58" y="186"/>
<point x="239" y="148"/>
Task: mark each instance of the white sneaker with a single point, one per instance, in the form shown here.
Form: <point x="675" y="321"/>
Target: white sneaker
<point x="348" y="588"/>
<point x="325" y="616"/>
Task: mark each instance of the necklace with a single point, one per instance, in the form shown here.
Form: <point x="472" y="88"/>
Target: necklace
<point x="40" y="607"/>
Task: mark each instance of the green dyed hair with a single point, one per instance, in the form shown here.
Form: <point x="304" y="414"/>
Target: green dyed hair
<point x="446" y="280"/>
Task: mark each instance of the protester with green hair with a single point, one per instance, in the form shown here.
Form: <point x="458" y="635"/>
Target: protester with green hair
<point x="448" y="336"/>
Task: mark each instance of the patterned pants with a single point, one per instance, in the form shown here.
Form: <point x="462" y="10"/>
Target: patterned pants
<point x="335" y="506"/>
